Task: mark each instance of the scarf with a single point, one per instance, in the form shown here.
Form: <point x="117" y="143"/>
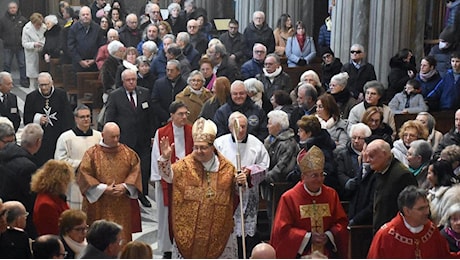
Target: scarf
<point x="75" y="246"/>
<point x="427" y="76"/>
<point x="272" y="76"/>
<point x="453" y="235"/>
<point x="342" y="97"/>
<point x="210" y="84"/>
<point x="196" y="92"/>
<point x="326" y="124"/>
<point x="301" y="40"/>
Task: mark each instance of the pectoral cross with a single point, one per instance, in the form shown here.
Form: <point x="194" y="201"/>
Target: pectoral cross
<point x="315" y="212"/>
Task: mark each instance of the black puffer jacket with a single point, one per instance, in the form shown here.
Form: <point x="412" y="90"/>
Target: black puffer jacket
<point x="11" y="30"/>
<point x="263" y="35"/>
<point x="398" y="76"/>
<point x="330" y="70"/>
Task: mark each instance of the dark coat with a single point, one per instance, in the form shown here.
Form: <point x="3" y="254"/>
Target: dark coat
<point x="209" y="108"/>
<point x="14" y="244"/>
<point x="83" y="45"/>
<point x="199" y="42"/>
<point x="359" y="77"/>
<point x="158" y="65"/>
<point x="109" y="73"/>
<point x="11" y="30"/>
<point x="11" y="110"/>
<point x="146" y="81"/>
<point x="453" y="247"/>
<point x="263" y="35"/>
<point x="193" y="56"/>
<point x="90" y="252"/>
<point x="235" y="46"/>
<point x="130" y="37"/>
<point x="345" y="102"/>
<point x="163" y="94"/>
<point x="178" y="25"/>
<point x="450" y="138"/>
<point x="136" y="126"/>
<point x="251" y="68"/>
<point x="16" y="186"/>
<point x="330" y="70"/>
<point x="257" y="119"/>
<point x="62" y="121"/>
<point x="398" y="77"/>
<point x="229" y="69"/>
<point x="360" y="210"/>
<point x="281" y="82"/>
<point x="52" y="45"/>
<point x="427" y="86"/>
<point x="387" y="188"/>
<point x="348" y="167"/>
<point x="70" y="252"/>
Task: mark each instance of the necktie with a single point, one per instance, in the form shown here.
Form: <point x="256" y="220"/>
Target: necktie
<point x="131" y="98"/>
<point x="4" y="100"/>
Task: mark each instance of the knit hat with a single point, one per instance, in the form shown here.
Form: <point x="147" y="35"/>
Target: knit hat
<point x="325" y="50"/>
<point x="204" y="131"/>
<point x="448" y="34"/>
<point x="312" y="160"/>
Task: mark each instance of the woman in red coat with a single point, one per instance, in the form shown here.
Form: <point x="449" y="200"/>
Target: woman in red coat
<point x="50" y="183"/>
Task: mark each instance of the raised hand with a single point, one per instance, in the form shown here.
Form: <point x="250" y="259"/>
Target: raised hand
<point x="165" y="147"/>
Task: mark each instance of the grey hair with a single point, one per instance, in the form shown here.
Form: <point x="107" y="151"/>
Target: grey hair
<point x="358" y="46"/>
<point x="31" y="133"/>
<point x="175" y="63"/>
<point x="6" y="130"/>
<point x="80" y="107"/>
<point x="4" y="74"/>
<point x="235" y="115"/>
<point x="173" y="6"/>
<point x="275" y="56"/>
<point x="431" y="121"/>
<point x="258" y="44"/>
<point x="193" y="74"/>
<point x="183" y="37"/>
<point x="279" y="117"/>
<point x="454" y="209"/>
<point x="375" y="85"/>
<point x="309" y="90"/>
<point x="151" y="46"/>
<point x="253" y="85"/>
<point x="341" y="78"/>
<point x="360" y="127"/>
<point x="114" y="46"/>
<point x="51" y="18"/>
<point x="169" y="36"/>
<point x="220" y="48"/>
<point x="46" y="75"/>
<point x="451" y="153"/>
<point x="313" y="74"/>
<point x="422" y="148"/>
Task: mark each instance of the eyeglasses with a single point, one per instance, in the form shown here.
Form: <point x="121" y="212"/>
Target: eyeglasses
<point x="355" y="52"/>
<point x="257" y="51"/>
<point x="268" y="63"/>
<point x="181" y="114"/>
<point x="64" y="254"/>
<point x="44" y="85"/>
<point x="196" y="80"/>
<point x="80" y="229"/>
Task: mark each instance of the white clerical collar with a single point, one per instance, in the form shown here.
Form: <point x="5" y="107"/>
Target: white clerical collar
<point x="101" y="143"/>
<point x="212" y="165"/>
<point x="311" y="192"/>
<point x="412" y="229"/>
<point x="175" y="127"/>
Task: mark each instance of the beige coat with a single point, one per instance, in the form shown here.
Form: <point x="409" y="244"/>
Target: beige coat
<point x="281" y="39"/>
<point x="193" y="101"/>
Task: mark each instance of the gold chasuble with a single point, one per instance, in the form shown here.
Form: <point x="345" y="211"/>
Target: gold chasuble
<point x="110" y="165"/>
<point x="316" y="212"/>
<point x="202" y="207"/>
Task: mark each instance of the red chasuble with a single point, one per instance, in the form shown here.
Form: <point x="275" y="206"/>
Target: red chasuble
<point x="298" y="212"/>
<point x="395" y="240"/>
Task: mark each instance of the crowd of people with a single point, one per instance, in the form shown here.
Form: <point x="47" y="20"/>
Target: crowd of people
<point x="215" y="124"/>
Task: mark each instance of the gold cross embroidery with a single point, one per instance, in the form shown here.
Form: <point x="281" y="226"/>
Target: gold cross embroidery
<point x="315" y="212"/>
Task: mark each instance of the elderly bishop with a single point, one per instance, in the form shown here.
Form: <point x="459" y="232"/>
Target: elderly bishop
<point x="309" y="217"/>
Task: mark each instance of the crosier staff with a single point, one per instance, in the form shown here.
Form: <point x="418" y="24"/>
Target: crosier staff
<point x="235" y="131"/>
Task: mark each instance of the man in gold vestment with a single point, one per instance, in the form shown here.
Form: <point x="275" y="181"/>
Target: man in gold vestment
<point x="108" y="177"/>
<point x="204" y="187"/>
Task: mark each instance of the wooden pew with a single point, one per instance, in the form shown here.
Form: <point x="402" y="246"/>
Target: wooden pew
<point x="88" y="87"/>
<point x="279" y="188"/>
<point x="56" y="72"/>
<point x="296" y="72"/>
<point x="444" y="120"/>
<point x="360" y="239"/>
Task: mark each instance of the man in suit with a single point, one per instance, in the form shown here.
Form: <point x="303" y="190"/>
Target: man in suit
<point x="8" y="100"/>
<point x="165" y="90"/>
<point x="129" y="107"/>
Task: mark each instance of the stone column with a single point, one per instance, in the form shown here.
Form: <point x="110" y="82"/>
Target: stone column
<point x="382" y="27"/>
